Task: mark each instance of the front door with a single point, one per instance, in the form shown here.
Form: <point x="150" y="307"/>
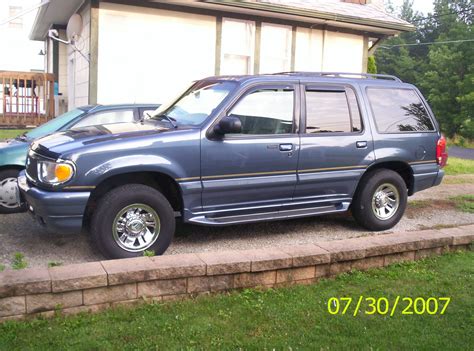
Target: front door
<point x="255" y="169"/>
<point x="336" y="145"/>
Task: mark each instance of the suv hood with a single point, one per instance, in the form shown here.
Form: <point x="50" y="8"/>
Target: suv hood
<point x="60" y="142"/>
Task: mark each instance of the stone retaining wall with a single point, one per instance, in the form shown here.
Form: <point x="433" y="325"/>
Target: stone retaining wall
<point x="96" y="286"/>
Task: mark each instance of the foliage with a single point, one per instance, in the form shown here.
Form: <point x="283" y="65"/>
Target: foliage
<point x="464" y="203"/>
<point x="459" y="166"/>
<point x="54" y="264"/>
<point x="371" y="65"/>
<point x="2" y="267"/>
<point x="443" y="72"/>
<point x="293" y="318"/>
<point x="11" y="133"/>
<point x="19" y="261"/>
<point x="148" y="253"/>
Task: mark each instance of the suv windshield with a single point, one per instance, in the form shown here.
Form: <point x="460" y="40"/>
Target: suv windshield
<point x="55" y="124"/>
<point x="196" y="104"/>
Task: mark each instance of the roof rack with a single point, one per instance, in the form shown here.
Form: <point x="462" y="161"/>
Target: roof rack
<point x="342" y="74"/>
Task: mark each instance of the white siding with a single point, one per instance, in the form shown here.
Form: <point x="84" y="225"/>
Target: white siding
<point x="149" y="55"/>
<point x="309" y="50"/>
<point x="80" y="66"/>
<point x="343" y="52"/>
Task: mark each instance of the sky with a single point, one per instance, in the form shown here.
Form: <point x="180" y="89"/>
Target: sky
<point x="423" y="6"/>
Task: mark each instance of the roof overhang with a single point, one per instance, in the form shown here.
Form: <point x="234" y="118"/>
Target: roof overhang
<point x="55" y="12"/>
<point x="298" y="14"/>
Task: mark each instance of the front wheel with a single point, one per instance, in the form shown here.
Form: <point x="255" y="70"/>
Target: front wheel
<point x="10" y="201"/>
<point x="131" y="219"/>
<point x="380" y="200"/>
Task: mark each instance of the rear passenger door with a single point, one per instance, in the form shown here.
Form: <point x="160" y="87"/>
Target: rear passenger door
<point x="336" y="146"/>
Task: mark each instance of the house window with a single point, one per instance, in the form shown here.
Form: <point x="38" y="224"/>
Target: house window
<point x="275" y="50"/>
<point x="238" y="42"/>
<point x="17" y="22"/>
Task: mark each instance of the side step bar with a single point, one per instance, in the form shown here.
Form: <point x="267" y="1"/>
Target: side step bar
<point x="270" y="216"/>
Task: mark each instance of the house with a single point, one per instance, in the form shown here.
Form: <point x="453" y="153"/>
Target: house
<point x="148" y="51"/>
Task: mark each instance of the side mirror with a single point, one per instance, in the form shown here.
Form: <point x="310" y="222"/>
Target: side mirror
<point x="228" y="125"/>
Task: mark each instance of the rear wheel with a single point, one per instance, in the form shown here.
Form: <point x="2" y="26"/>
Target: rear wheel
<point x="131" y="219"/>
<point x="10" y="193"/>
<point x="380" y="200"/>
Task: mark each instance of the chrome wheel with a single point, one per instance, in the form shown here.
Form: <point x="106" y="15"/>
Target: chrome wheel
<point x="136" y="227"/>
<point x="9" y="193"/>
<point x="385" y="201"/>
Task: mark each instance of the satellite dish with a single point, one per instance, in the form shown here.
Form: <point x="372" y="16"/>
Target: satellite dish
<point x="74" y="27"/>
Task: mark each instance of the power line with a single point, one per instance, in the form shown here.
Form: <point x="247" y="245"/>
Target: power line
<point x="434" y="16"/>
<point x="427" y="43"/>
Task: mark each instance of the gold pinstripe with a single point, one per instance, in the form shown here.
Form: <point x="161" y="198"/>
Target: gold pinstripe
<point x="270" y="173"/>
<point x="421" y="162"/>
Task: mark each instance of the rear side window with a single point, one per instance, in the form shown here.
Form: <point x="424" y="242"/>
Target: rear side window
<point x="332" y="111"/>
<point x="398" y="111"/>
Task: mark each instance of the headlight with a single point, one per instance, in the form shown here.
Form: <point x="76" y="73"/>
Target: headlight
<point x="55" y="172"/>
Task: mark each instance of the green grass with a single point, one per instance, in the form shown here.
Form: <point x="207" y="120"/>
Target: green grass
<point x="19" y="261"/>
<point x="459" y="166"/>
<point x="294" y="318"/>
<point x="11" y="133"/>
<point x="464" y="203"/>
<point x="460" y="141"/>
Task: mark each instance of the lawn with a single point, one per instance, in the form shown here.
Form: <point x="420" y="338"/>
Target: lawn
<point x="11" y="133"/>
<point x="459" y="166"/>
<point x="285" y="319"/>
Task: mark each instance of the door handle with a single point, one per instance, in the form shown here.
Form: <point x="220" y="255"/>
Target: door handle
<point x="286" y="147"/>
<point x="361" y="144"/>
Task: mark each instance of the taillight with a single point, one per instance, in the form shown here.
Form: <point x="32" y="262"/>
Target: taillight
<point x="441" y="154"/>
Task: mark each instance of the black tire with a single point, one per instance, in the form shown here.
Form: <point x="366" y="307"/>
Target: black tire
<point x="362" y="203"/>
<point x="116" y="200"/>
<point x="8" y="174"/>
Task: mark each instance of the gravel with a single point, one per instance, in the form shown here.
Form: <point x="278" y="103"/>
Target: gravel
<point x="19" y="233"/>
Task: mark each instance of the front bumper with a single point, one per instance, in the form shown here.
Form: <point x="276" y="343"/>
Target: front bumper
<point x="59" y="211"/>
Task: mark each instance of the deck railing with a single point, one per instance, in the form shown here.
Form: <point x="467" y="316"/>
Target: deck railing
<point x="26" y="98"/>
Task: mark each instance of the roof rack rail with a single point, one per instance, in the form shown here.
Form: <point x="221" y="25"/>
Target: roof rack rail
<point x="342" y="74"/>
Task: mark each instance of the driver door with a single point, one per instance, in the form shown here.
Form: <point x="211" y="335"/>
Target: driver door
<point x="257" y="167"/>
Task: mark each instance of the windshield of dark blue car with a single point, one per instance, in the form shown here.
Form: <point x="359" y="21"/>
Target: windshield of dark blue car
<point x="196" y="104"/>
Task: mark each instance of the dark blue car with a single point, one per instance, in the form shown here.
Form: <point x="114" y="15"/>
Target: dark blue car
<point x="240" y="149"/>
<point x="13" y="152"/>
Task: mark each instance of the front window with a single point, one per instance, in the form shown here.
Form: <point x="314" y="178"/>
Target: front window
<point x="196" y="104"/>
<point x="55" y="124"/>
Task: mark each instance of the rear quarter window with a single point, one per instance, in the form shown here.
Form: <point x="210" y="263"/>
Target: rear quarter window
<point x="398" y="110"/>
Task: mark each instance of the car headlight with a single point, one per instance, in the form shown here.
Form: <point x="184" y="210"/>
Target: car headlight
<point x="55" y="172"/>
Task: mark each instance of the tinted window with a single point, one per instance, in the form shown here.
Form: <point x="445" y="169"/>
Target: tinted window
<point x="327" y="112"/>
<point x="398" y="110"/>
<point x="266" y="111"/>
<point x="107" y="117"/>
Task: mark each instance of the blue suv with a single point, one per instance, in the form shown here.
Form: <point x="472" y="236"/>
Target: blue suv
<point x="240" y="149"/>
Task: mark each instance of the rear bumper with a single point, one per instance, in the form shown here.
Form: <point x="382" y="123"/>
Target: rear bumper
<point x="426" y="180"/>
<point x="59" y="211"/>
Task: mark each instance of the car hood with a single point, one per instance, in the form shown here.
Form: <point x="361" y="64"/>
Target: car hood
<point x="60" y="142"/>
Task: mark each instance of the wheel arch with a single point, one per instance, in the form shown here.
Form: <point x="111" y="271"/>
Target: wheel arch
<point x="160" y="181"/>
<point x="402" y="168"/>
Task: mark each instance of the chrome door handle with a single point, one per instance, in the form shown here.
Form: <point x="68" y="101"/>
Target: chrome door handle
<point x="286" y="147"/>
<point x="361" y="144"/>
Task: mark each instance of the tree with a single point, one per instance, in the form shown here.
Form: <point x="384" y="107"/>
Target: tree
<point x="445" y="71"/>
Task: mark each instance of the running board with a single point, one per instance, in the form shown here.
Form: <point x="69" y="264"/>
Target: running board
<point x="270" y="216"/>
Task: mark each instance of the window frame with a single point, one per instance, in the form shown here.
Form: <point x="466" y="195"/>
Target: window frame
<point x="253" y="39"/>
<point x="261" y="55"/>
<point x="417" y="93"/>
<point x="248" y="90"/>
<point x="330" y="87"/>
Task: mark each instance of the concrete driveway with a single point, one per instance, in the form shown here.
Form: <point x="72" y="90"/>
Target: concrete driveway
<point x="18" y="233"/>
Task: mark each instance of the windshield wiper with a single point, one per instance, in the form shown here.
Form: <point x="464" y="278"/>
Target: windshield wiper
<point x="168" y="118"/>
<point x="22" y="137"/>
